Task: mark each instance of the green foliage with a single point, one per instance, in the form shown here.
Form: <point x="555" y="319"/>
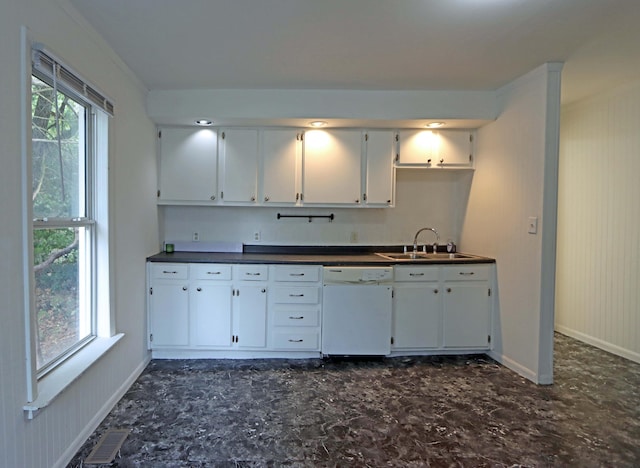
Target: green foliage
<point x="56" y="151"/>
<point x="45" y="241"/>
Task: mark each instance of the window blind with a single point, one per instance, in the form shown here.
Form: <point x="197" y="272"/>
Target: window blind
<point x="46" y="63"/>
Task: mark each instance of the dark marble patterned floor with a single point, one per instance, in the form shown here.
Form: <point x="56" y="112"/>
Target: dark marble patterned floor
<point x="439" y="411"/>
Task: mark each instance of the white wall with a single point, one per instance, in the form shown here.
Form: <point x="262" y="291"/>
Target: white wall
<point x="54" y="435"/>
<point x="515" y="179"/>
<point x="598" y="271"/>
<point x="423" y="198"/>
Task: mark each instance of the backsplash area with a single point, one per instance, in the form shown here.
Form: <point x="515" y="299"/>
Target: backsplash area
<point x="435" y="198"/>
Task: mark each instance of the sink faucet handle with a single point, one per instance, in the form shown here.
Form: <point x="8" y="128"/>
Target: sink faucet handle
<point x="435" y="247"/>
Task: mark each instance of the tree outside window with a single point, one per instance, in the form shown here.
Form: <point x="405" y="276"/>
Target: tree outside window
<point x="62" y="225"/>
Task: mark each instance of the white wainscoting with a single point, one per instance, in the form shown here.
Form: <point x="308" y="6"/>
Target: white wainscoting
<point x="598" y="260"/>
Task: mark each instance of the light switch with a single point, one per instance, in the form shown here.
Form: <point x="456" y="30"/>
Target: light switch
<point x="533" y="225"/>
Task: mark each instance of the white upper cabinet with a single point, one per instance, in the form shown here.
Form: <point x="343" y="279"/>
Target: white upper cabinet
<point x="332" y="167"/>
<point x="281" y="162"/>
<point x="239" y="165"/>
<point x="378" y="168"/>
<point x="276" y="167"/>
<point x="187" y="166"/>
<point x="436" y="148"/>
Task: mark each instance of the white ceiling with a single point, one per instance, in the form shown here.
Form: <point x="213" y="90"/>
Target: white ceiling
<point x="370" y="44"/>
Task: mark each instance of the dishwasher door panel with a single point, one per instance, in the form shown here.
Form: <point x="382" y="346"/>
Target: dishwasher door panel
<point x="356" y="319"/>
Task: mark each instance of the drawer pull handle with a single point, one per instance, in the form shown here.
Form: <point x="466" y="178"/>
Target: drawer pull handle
<point x="296" y="274"/>
<point x="214" y="272"/>
<point x="466" y="273"/>
<point x="296" y="295"/>
<point x="169" y="272"/>
<point x="295" y="341"/>
<point x="416" y="274"/>
<point x="296" y="318"/>
<point x="252" y="274"/>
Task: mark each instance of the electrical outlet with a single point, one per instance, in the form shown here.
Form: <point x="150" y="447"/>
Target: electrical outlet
<point x="256" y="236"/>
<point x="195" y="237"/>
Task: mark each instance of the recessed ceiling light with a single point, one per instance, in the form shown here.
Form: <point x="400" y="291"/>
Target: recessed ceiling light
<point x="204" y="122"/>
<point x="434" y="124"/>
<point x="318" y="123"/>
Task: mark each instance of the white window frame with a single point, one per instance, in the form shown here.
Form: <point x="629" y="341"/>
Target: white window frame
<point x="42" y="390"/>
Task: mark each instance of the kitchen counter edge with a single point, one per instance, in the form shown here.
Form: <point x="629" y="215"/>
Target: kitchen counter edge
<point x="358" y="259"/>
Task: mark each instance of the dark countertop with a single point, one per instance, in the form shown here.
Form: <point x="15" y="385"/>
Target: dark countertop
<point x="316" y="255"/>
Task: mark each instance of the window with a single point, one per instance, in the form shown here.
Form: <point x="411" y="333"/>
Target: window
<point x="68" y="206"/>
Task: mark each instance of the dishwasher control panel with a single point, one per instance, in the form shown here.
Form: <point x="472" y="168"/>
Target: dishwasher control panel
<point x="358" y="275"/>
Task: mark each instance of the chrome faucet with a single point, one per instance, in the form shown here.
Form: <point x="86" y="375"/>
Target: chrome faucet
<point x="435" y="245"/>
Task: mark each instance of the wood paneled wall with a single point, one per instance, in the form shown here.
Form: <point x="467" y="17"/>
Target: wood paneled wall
<point x="598" y="260"/>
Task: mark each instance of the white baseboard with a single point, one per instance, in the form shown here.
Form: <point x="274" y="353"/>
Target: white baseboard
<point x="91" y="426"/>
<point x="516" y="367"/>
<point x="598" y="343"/>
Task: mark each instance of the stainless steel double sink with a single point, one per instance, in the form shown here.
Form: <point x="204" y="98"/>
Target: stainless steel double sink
<point x="424" y="256"/>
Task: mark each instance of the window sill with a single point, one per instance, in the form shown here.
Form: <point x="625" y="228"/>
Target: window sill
<point x="59" y="379"/>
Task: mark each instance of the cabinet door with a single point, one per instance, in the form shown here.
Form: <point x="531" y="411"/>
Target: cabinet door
<point x="188" y="165"/>
<point x="331" y="166"/>
<point x="416" y="316"/>
<point x="251" y="312"/>
<point x="436" y="148"/>
<point x="417" y="147"/>
<point x="169" y="314"/>
<point x="456" y="148"/>
<point x="239" y="150"/>
<point x="210" y="314"/>
<point x="466" y="314"/>
<point x="281" y="166"/>
<point x="379" y="168"/>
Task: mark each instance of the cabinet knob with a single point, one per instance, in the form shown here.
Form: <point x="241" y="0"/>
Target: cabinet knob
<point x="263" y="290"/>
<point x="266" y="198"/>
<point x="184" y="288"/>
<point x="357" y="200"/>
<point x="435" y="291"/>
<point x="198" y="289"/>
<point x="448" y="290"/>
<point x="212" y="197"/>
<point x="253" y="198"/>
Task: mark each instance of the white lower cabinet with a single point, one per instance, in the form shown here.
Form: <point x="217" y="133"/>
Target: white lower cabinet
<point x="168" y="305"/>
<point x="442" y="307"/>
<point x="210" y="305"/>
<point x="278" y="308"/>
<point x="250" y="306"/>
<point x="417" y="308"/>
<point x="295" y="307"/>
<point x="466" y="306"/>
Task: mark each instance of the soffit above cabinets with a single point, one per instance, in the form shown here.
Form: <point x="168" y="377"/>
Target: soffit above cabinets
<point x="339" y="108"/>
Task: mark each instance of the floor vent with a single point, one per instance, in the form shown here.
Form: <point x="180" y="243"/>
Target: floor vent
<point x="107" y="448"/>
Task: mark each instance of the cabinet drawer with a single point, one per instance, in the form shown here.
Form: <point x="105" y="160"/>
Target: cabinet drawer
<point x="297" y="273"/>
<point x="466" y="273"/>
<point x="170" y="270"/>
<point x="208" y="271"/>
<point x="417" y="273"/>
<point x="301" y="316"/>
<point x="251" y="272"/>
<point x="296" y="295"/>
<point x="296" y="340"/>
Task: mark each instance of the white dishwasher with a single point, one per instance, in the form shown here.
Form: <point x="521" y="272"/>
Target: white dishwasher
<point x="356" y="310"/>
